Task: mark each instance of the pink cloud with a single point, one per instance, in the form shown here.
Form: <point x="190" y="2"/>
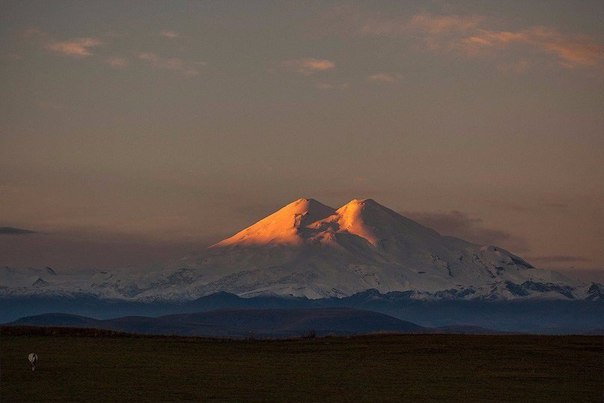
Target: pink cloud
<point x="169" y="63"/>
<point x="31" y="32"/>
<point x="169" y="34"/>
<point x="384" y="77"/>
<point x="470" y="35"/>
<point x="570" y="50"/>
<point x="330" y="86"/>
<point x="308" y="66"/>
<point x="79" y="47"/>
<point x="426" y="23"/>
<point x="443" y="24"/>
<point x="117" y="62"/>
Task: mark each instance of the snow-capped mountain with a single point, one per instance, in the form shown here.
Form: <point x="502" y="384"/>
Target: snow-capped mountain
<point x="307" y="249"/>
<point x="311" y="250"/>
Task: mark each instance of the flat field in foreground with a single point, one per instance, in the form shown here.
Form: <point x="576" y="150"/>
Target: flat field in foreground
<point x="369" y="368"/>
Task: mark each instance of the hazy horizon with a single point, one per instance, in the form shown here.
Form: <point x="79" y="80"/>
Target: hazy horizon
<point x="134" y="133"/>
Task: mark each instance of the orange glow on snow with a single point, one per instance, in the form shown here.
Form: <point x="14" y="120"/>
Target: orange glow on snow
<point x="305" y="219"/>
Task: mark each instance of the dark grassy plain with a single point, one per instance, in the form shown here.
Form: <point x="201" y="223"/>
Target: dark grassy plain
<point x="105" y="366"/>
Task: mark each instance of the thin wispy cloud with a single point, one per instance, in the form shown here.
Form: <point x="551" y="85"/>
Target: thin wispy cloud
<point x="384" y="77"/>
<point x="169" y="63"/>
<point x="331" y="86"/>
<point x="518" y="67"/>
<point x="427" y="23"/>
<point x="169" y="34"/>
<point x="571" y="51"/>
<point x="78" y="47"/>
<point x="85" y="48"/>
<point x="557" y="259"/>
<point x="308" y="66"/>
<point x="459" y="224"/>
<point x="52" y="105"/>
<point x="117" y="62"/>
<point x="445" y="24"/>
<point x="31" y="32"/>
<point x="15" y="231"/>
<point x="555" y="207"/>
<point x="472" y="36"/>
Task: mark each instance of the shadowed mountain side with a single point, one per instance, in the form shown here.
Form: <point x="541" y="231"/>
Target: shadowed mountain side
<point x="526" y="316"/>
<point x="240" y="323"/>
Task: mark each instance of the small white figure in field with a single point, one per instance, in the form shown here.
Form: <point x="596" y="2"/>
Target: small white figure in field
<point x="33" y="360"/>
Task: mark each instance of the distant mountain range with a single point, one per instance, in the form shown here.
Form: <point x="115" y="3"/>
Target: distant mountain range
<point x="310" y="250"/>
<point x="523" y="315"/>
<point x="256" y="323"/>
<point x="310" y="256"/>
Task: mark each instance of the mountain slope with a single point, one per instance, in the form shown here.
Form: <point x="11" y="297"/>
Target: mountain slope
<point x="307" y="249"/>
<point x="282" y="227"/>
<point x="520" y="315"/>
<point x="240" y="323"/>
<point x="360" y="246"/>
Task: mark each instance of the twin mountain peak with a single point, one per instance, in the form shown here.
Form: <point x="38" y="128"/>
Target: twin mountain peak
<point x="307" y="220"/>
<point x="312" y="250"/>
<point x="307" y="249"/>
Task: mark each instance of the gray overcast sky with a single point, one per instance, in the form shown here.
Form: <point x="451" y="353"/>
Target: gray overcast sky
<point x="134" y="132"/>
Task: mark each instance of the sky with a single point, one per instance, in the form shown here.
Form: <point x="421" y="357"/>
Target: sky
<point x="137" y="132"/>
